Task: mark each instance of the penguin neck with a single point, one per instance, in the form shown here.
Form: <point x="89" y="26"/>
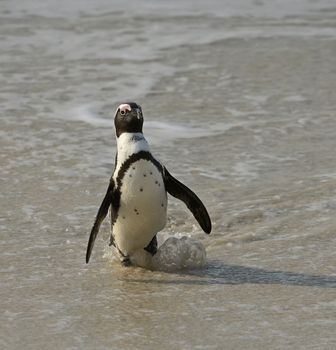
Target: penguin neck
<point x="129" y="143"/>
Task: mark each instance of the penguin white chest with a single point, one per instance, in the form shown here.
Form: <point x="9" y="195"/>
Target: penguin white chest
<point x="143" y="207"/>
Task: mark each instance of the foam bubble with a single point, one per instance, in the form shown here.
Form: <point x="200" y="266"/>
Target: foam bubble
<point x="173" y="255"/>
<point x="179" y="253"/>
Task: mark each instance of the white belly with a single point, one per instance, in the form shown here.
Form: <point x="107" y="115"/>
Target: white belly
<point x="143" y="207"/>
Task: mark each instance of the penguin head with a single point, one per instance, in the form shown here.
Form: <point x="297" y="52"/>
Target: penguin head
<point x="128" y="118"/>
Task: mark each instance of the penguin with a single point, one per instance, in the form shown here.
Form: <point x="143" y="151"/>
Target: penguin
<point x="137" y="191"/>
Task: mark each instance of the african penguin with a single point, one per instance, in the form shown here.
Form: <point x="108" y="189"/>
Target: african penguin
<point x="137" y="192"/>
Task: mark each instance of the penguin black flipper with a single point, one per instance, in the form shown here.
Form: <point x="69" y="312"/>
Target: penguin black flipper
<point x="178" y="190"/>
<point x="102" y="212"/>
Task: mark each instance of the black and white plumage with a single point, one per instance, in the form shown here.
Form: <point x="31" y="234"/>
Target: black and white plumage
<point x="137" y="192"/>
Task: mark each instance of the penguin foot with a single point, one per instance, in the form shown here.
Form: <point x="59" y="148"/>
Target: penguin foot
<point x="152" y="246"/>
<point x="126" y="261"/>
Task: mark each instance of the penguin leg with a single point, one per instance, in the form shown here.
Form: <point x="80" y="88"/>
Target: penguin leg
<point x="124" y="259"/>
<point x="112" y="241"/>
<point x="152" y="246"/>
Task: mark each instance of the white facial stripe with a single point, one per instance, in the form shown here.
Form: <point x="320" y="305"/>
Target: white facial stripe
<point x="124" y="107"/>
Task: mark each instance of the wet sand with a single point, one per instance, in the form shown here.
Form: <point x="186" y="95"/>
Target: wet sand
<point x="239" y="103"/>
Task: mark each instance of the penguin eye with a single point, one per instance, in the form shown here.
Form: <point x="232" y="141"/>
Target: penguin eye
<point x="122" y="112"/>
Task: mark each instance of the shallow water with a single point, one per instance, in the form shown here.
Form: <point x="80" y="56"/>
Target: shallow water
<point x="239" y="99"/>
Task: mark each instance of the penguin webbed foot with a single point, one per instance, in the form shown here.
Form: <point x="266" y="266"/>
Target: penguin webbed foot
<point x="152" y="246"/>
<point x="126" y="261"/>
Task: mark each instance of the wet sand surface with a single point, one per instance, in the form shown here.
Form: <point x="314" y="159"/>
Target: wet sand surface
<point x="239" y="103"/>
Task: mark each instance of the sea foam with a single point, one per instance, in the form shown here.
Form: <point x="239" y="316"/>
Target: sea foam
<point x="179" y="253"/>
<point x="174" y="254"/>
